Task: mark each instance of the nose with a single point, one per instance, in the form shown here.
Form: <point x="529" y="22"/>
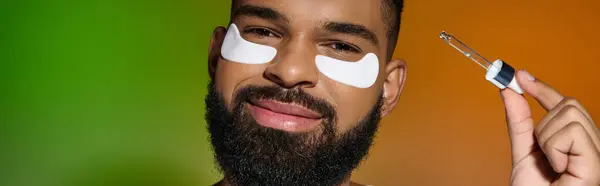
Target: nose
<point x="294" y="66"/>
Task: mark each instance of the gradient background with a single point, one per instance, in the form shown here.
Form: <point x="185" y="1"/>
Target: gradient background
<point x="111" y="92"/>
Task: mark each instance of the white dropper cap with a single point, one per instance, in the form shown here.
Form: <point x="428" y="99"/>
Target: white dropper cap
<point x="503" y="75"/>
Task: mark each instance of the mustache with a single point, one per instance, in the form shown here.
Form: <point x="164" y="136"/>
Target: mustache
<point x="291" y="96"/>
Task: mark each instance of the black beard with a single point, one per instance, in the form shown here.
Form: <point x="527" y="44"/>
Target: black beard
<point x="252" y="155"/>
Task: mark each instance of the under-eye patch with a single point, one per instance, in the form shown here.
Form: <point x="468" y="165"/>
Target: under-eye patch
<point x="236" y="49"/>
<point x="360" y="74"/>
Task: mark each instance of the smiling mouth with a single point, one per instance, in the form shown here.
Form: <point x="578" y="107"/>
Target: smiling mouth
<point x="283" y="116"/>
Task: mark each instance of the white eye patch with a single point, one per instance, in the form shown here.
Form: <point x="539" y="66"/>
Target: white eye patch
<point x="237" y="49"/>
<point x="360" y="74"/>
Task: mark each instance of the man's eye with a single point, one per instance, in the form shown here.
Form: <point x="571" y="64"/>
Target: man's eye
<point x="260" y="32"/>
<point x="342" y="47"/>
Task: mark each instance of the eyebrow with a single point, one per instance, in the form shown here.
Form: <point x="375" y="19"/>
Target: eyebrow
<point x="260" y="12"/>
<point x="352" y="29"/>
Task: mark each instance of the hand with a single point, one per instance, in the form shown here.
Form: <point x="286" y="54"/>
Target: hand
<point x="562" y="150"/>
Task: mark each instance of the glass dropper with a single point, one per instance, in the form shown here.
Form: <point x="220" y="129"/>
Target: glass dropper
<point x="465" y="50"/>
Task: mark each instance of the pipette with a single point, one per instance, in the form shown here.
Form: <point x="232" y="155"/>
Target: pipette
<point x="499" y="72"/>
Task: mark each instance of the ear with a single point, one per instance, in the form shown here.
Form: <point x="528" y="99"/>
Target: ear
<point x="393" y="85"/>
<point x="214" y="50"/>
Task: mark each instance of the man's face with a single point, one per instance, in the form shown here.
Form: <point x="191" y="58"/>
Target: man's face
<point x="286" y="121"/>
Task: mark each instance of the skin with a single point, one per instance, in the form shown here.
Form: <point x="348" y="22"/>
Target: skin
<point x="298" y="38"/>
<point x="562" y="150"/>
<point x="567" y="137"/>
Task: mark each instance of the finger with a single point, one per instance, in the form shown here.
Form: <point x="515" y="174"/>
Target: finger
<point x="568" y="114"/>
<point x="570" y="180"/>
<point x="520" y="125"/>
<point x="552" y="101"/>
<point x="543" y="93"/>
<point x="567" y="101"/>
<point x="570" y="151"/>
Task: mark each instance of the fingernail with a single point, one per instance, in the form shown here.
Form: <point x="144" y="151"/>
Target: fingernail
<point x="527" y="75"/>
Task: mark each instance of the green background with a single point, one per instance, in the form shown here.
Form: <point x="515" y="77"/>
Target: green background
<point x="106" y="92"/>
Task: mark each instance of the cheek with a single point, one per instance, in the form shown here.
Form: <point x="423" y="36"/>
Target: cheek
<point x="353" y="105"/>
<point x="229" y="77"/>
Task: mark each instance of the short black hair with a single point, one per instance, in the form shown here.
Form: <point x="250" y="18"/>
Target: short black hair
<point x="391" y="11"/>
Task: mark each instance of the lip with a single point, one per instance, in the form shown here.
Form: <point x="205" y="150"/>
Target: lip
<point x="286" y="108"/>
<point x="283" y="116"/>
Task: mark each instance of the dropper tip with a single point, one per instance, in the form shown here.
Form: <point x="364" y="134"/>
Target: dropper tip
<point x="445" y="36"/>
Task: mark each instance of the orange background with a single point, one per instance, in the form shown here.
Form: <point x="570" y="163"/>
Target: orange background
<point x="448" y="128"/>
<point x="112" y="92"/>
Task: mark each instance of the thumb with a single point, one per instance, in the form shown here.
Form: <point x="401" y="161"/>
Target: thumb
<point x="520" y="125"/>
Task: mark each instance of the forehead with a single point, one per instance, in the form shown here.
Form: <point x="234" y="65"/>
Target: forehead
<point x="312" y="12"/>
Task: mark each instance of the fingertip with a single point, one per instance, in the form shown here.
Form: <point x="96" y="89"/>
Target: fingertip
<point x="507" y="94"/>
<point x="516" y="106"/>
<point x="526" y="81"/>
<point x="503" y="94"/>
<point x="547" y="96"/>
<point x="524" y="78"/>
